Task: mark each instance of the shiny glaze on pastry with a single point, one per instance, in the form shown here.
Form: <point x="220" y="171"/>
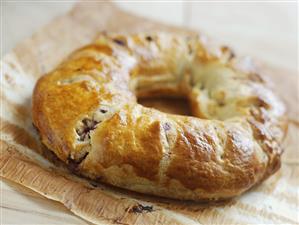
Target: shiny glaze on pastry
<point x="87" y="113"/>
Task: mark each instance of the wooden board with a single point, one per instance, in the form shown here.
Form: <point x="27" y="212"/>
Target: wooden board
<point x="275" y="201"/>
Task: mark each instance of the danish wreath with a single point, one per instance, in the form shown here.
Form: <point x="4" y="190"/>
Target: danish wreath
<point x="87" y="113"/>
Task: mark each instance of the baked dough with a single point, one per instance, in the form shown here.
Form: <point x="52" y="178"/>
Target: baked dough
<point x="87" y="113"/>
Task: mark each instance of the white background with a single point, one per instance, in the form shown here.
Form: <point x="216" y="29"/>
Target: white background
<point x="264" y="30"/>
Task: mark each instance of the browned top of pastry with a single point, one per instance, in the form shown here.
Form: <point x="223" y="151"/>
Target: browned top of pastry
<point x="87" y="113"/>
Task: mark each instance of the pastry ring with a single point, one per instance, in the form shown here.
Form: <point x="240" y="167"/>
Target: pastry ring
<point x="87" y="113"/>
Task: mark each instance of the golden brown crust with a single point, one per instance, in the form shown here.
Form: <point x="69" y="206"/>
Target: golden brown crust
<point x="87" y="114"/>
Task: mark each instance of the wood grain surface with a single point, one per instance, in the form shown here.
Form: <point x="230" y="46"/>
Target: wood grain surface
<point x="29" y="181"/>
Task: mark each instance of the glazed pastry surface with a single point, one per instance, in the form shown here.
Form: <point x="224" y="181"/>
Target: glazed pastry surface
<point x="86" y="112"/>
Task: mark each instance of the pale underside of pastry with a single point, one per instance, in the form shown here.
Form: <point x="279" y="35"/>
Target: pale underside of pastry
<point x="86" y="112"/>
